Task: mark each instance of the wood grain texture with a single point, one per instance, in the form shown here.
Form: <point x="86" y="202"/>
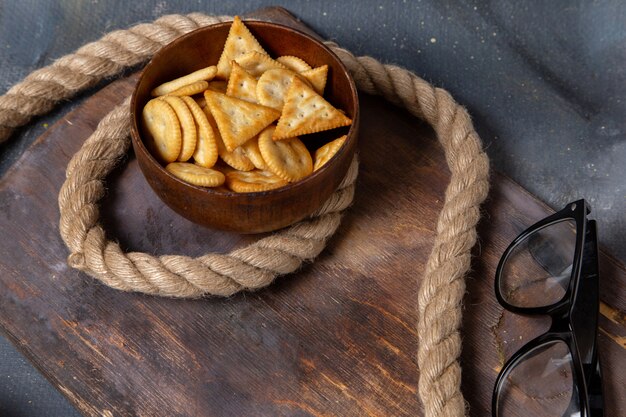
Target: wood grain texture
<point x="335" y="339"/>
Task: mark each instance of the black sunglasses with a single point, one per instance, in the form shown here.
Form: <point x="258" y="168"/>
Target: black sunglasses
<point x="552" y="269"/>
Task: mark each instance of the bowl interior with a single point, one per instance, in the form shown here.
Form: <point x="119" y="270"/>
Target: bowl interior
<point x="203" y="47"/>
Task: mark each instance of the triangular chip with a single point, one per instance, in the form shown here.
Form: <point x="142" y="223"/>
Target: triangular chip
<point x="256" y="63"/>
<point x="238" y="120"/>
<point x="241" y="84"/>
<point x="317" y="78"/>
<point x="305" y="112"/>
<point x="236" y="159"/>
<point x="238" y="42"/>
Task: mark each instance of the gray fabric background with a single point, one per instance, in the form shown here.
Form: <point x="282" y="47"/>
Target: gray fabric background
<point x="544" y="81"/>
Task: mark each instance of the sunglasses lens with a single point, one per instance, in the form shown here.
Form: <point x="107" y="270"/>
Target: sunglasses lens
<point x="537" y="272"/>
<point x="540" y="384"/>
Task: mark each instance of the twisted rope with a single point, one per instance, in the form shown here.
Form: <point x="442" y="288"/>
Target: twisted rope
<point x="255" y="266"/>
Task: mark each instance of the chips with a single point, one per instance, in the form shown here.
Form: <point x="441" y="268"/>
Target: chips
<point x="239" y="42"/>
<point x="205" y="153"/>
<point x="251" y="149"/>
<point x="294" y="63"/>
<point x="238" y="120"/>
<point x="241" y="84"/>
<point x="272" y="87"/>
<point x="289" y="159"/>
<point x="305" y="112"/>
<point x="189" y="134"/>
<point x="326" y="152"/>
<point x="162" y="130"/>
<point x="203" y="74"/>
<point x="195" y="174"/>
<point x="256" y="63"/>
<point x="227" y="132"/>
<point x="317" y="77"/>
<point x="190" y="89"/>
<point x="253" y="181"/>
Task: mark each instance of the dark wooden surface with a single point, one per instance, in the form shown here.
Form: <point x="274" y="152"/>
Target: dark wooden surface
<point x="337" y="338"/>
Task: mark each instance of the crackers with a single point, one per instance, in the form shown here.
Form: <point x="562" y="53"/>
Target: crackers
<point x="253" y="181"/>
<point x="205" y="153"/>
<point x="241" y="84"/>
<point x="162" y="128"/>
<point x="289" y="159"/>
<point x="238" y="120"/>
<point x="195" y="174"/>
<point x="272" y="86"/>
<point x="306" y="112"/>
<point x="204" y="74"/>
<point x="239" y="42"/>
<point x="326" y="152"/>
<point x="189" y="134"/>
<point x="244" y="122"/>
<point x="256" y="63"/>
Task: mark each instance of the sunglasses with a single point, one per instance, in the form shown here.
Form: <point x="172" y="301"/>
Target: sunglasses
<point x="552" y="269"/>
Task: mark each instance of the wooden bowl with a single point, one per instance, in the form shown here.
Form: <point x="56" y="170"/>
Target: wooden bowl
<point x="247" y="212"/>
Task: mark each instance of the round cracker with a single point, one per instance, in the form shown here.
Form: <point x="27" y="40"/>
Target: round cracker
<point x="237" y="159"/>
<point x="190" y="89"/>
<point x="195" y="174"/>
<point x="326" y="152"/>
<point x="272" y="87"/>
<point x="187" y="126"/>
<point x="289" y="158"/>
<point x="204" y="74"/>
<point x="205" y="153"/>
<point x="253" y="181"/>
<point x="251" y="149"/>
<point x="162" y="130"/>
<point x="294" y="63"/>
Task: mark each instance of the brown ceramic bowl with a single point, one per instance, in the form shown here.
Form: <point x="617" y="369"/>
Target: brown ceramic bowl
<point x="248" y="212"/>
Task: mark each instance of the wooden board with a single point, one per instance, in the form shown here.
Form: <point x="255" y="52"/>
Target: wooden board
<point x="336" y="338"/>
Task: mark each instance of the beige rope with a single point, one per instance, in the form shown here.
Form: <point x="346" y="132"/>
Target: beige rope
<point x="256" y="265"/>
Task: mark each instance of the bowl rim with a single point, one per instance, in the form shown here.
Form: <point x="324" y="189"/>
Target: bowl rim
<point x="351" y="134"/>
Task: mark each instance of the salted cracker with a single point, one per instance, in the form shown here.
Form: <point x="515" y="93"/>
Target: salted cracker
<point x="190" y="89"/>
<point x="205" y="153"/>
<point x="238" y="120"/>
<point x="317" y="78"/>
<point x="204" y="74"/>
<point x="251" y="150"/>
<point x="272" y="86"/>
<point x="161" y="129"/>
<point x="294" y="63"/>
<point x="256" y="63"/>
<point x="305" y="112"/>
<point x="195" y="174"/>
<point x="189" y="133"/>
<point x="239" y="41"/>
<point x="326" y="152"/>
<point x="289" y="159"/>
<point x="253" y="181"/>
<point x="236" y="159"/>
<point x="241" y="84"/>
